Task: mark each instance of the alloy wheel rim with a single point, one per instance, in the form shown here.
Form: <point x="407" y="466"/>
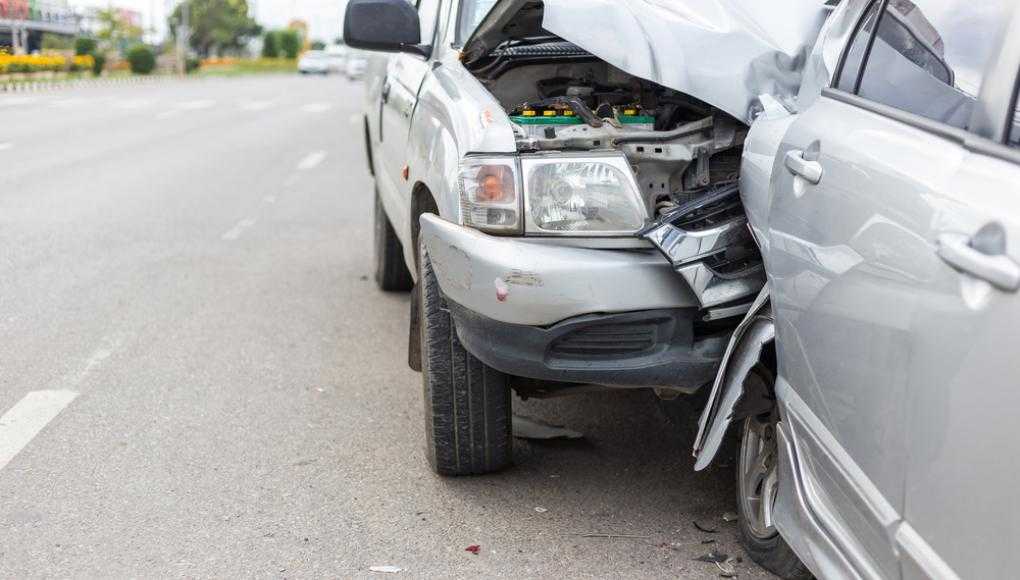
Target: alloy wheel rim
<point x="759" y="481"/>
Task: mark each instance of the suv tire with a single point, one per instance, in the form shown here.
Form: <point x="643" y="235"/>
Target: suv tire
<point x="467" y="403"/>
<point x="391" y="272"/>
<point x="757" y="481"/>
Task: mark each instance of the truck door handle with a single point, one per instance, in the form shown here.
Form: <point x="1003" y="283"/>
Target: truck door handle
<point x="798" y="164"/>
<point x="386" y="91"/>
<point x="982" y="256"/>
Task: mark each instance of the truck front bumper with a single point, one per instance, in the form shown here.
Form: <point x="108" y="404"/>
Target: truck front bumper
<point x="536" y="309"/>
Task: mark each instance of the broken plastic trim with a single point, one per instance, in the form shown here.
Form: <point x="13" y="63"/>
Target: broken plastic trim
<point x="708" y="243"/>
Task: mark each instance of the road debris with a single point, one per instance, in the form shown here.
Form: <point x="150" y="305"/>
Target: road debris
<point x="713" y="557"/>
<point x="628" y="536"/>
<point x="527" y="428"/>
<point x="384" y="569"/>
<point x="540" y="509"/>
<point x="473" y="548"/>
<point x="729" y="517"/>
<point x="704" y="529"/>
<point x="726" y="569"/>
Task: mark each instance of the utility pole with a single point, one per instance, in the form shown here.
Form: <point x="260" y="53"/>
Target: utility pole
<point x="182" y="39"/>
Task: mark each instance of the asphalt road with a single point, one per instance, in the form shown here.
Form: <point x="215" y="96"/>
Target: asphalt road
<point x="185" y="275"/>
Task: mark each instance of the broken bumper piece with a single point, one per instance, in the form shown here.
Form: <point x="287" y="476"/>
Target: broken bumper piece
<point x="708" y="243"/>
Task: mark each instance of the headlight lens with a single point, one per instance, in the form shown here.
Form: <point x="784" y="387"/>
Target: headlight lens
<point x="489" y="198"/>
<point x="581" y="196"/>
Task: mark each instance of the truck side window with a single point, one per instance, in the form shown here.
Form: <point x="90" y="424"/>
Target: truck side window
<point x="928" y="57"/>
<point x="428" y="10"/>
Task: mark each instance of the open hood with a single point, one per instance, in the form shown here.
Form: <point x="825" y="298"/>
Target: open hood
<point x="724" y="52"/>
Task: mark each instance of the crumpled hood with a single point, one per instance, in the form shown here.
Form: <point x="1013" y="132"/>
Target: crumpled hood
<point x="724" y="52"/>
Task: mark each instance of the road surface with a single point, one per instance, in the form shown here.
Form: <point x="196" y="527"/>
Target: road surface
<point x="199" y="377"/>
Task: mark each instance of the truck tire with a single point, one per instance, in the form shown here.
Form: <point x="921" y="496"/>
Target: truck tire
<point x="391" y="272"/>
<point x="757" y="480"/>
<point x="467" y="403"/>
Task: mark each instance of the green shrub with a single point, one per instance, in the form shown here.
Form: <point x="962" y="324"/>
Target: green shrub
<point x="271" y="44"/>
<point x="191" y="64"/>
<point x="290" y="43"/>
<point x="98" y="62"/>
<point x="52" y="41"/>
<point x="84" y="45"/>
<point x="141" y="59"/>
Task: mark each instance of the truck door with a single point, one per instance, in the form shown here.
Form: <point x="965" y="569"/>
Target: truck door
<point x="405" y="73"/>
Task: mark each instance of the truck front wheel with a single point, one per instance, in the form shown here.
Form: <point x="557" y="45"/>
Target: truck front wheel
<point x="467" y="404"/>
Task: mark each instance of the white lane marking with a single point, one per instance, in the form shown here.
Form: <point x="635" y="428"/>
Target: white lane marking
<point x="95" y="359"/>
<point x="238" y="229"/>
<point x="6" y="145"/>
<point x="68" y="102"/>
<point x="256" y="105"/>
<point x="13" y="101"/>
<point x="316" y="107"/>
<point x="311" y="160"/>
<point x="22" y="422"/>
<point x="269" y="199"/>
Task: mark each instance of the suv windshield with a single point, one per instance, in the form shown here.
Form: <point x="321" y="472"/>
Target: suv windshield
<point x="471" y="14"/>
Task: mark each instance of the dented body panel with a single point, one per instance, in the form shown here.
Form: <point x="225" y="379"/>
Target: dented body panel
<point x="528" y="282"/>
<point x="762" y="46"/>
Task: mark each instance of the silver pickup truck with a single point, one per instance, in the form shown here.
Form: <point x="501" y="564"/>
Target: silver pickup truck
<point x="514" y="171"/>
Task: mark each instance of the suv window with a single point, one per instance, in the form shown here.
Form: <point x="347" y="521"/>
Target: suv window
<point x="927" y="57"/>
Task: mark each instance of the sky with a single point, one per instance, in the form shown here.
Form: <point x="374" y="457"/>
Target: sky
<point x="322" y="16"/>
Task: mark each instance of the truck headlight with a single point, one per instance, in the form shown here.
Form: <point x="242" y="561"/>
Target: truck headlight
<point x="489" y="198"/>
<point x="563" y="195"/>
<point x="581" y="196"/>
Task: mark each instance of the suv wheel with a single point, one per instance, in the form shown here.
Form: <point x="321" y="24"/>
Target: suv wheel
<point x="757" y="485"/>
<point x="467" y="404"/>
<point x="391" y="272"/>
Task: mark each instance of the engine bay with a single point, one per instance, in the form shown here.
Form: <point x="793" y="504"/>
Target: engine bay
<point x="684" y="154"/>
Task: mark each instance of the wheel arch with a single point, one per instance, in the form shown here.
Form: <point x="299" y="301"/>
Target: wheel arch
<point x="422" y="202"/>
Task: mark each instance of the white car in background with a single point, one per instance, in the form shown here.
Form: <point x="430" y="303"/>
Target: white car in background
<point x="314" y="62"/>
<point x="336" y="57"/>
<point x="354" y="65"/>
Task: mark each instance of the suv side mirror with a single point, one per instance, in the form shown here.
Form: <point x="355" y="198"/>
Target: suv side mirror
<point x="383" y="25"/>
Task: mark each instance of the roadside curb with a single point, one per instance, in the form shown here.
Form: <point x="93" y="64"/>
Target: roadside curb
<point x="40" y="86"/>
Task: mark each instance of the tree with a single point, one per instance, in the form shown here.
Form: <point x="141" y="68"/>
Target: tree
<point x="216" y="25"/>
<point x="271" y="44"/>
<point x="290" y="42"/>
<point x="116" y="29"/>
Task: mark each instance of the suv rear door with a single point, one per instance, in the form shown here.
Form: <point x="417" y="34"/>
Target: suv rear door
<point x="871" y="182"/>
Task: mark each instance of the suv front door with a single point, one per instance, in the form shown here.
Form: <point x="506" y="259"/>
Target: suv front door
<point x="870" y="181"/>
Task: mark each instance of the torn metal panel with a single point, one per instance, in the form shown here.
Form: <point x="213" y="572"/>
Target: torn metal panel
<point x="761" y="46"/>
<point x="708" y="243"/>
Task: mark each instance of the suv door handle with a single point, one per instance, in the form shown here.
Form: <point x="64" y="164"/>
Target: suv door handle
<point x="798" y="164"/>
<point x="982" y="256"/>
<point x="386" y="91"/>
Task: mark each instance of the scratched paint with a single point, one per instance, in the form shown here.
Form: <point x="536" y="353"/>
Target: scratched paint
<point x="522" y="278"/>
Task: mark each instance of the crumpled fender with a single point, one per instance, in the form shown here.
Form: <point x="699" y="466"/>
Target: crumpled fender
<point x="754" y="333"/>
